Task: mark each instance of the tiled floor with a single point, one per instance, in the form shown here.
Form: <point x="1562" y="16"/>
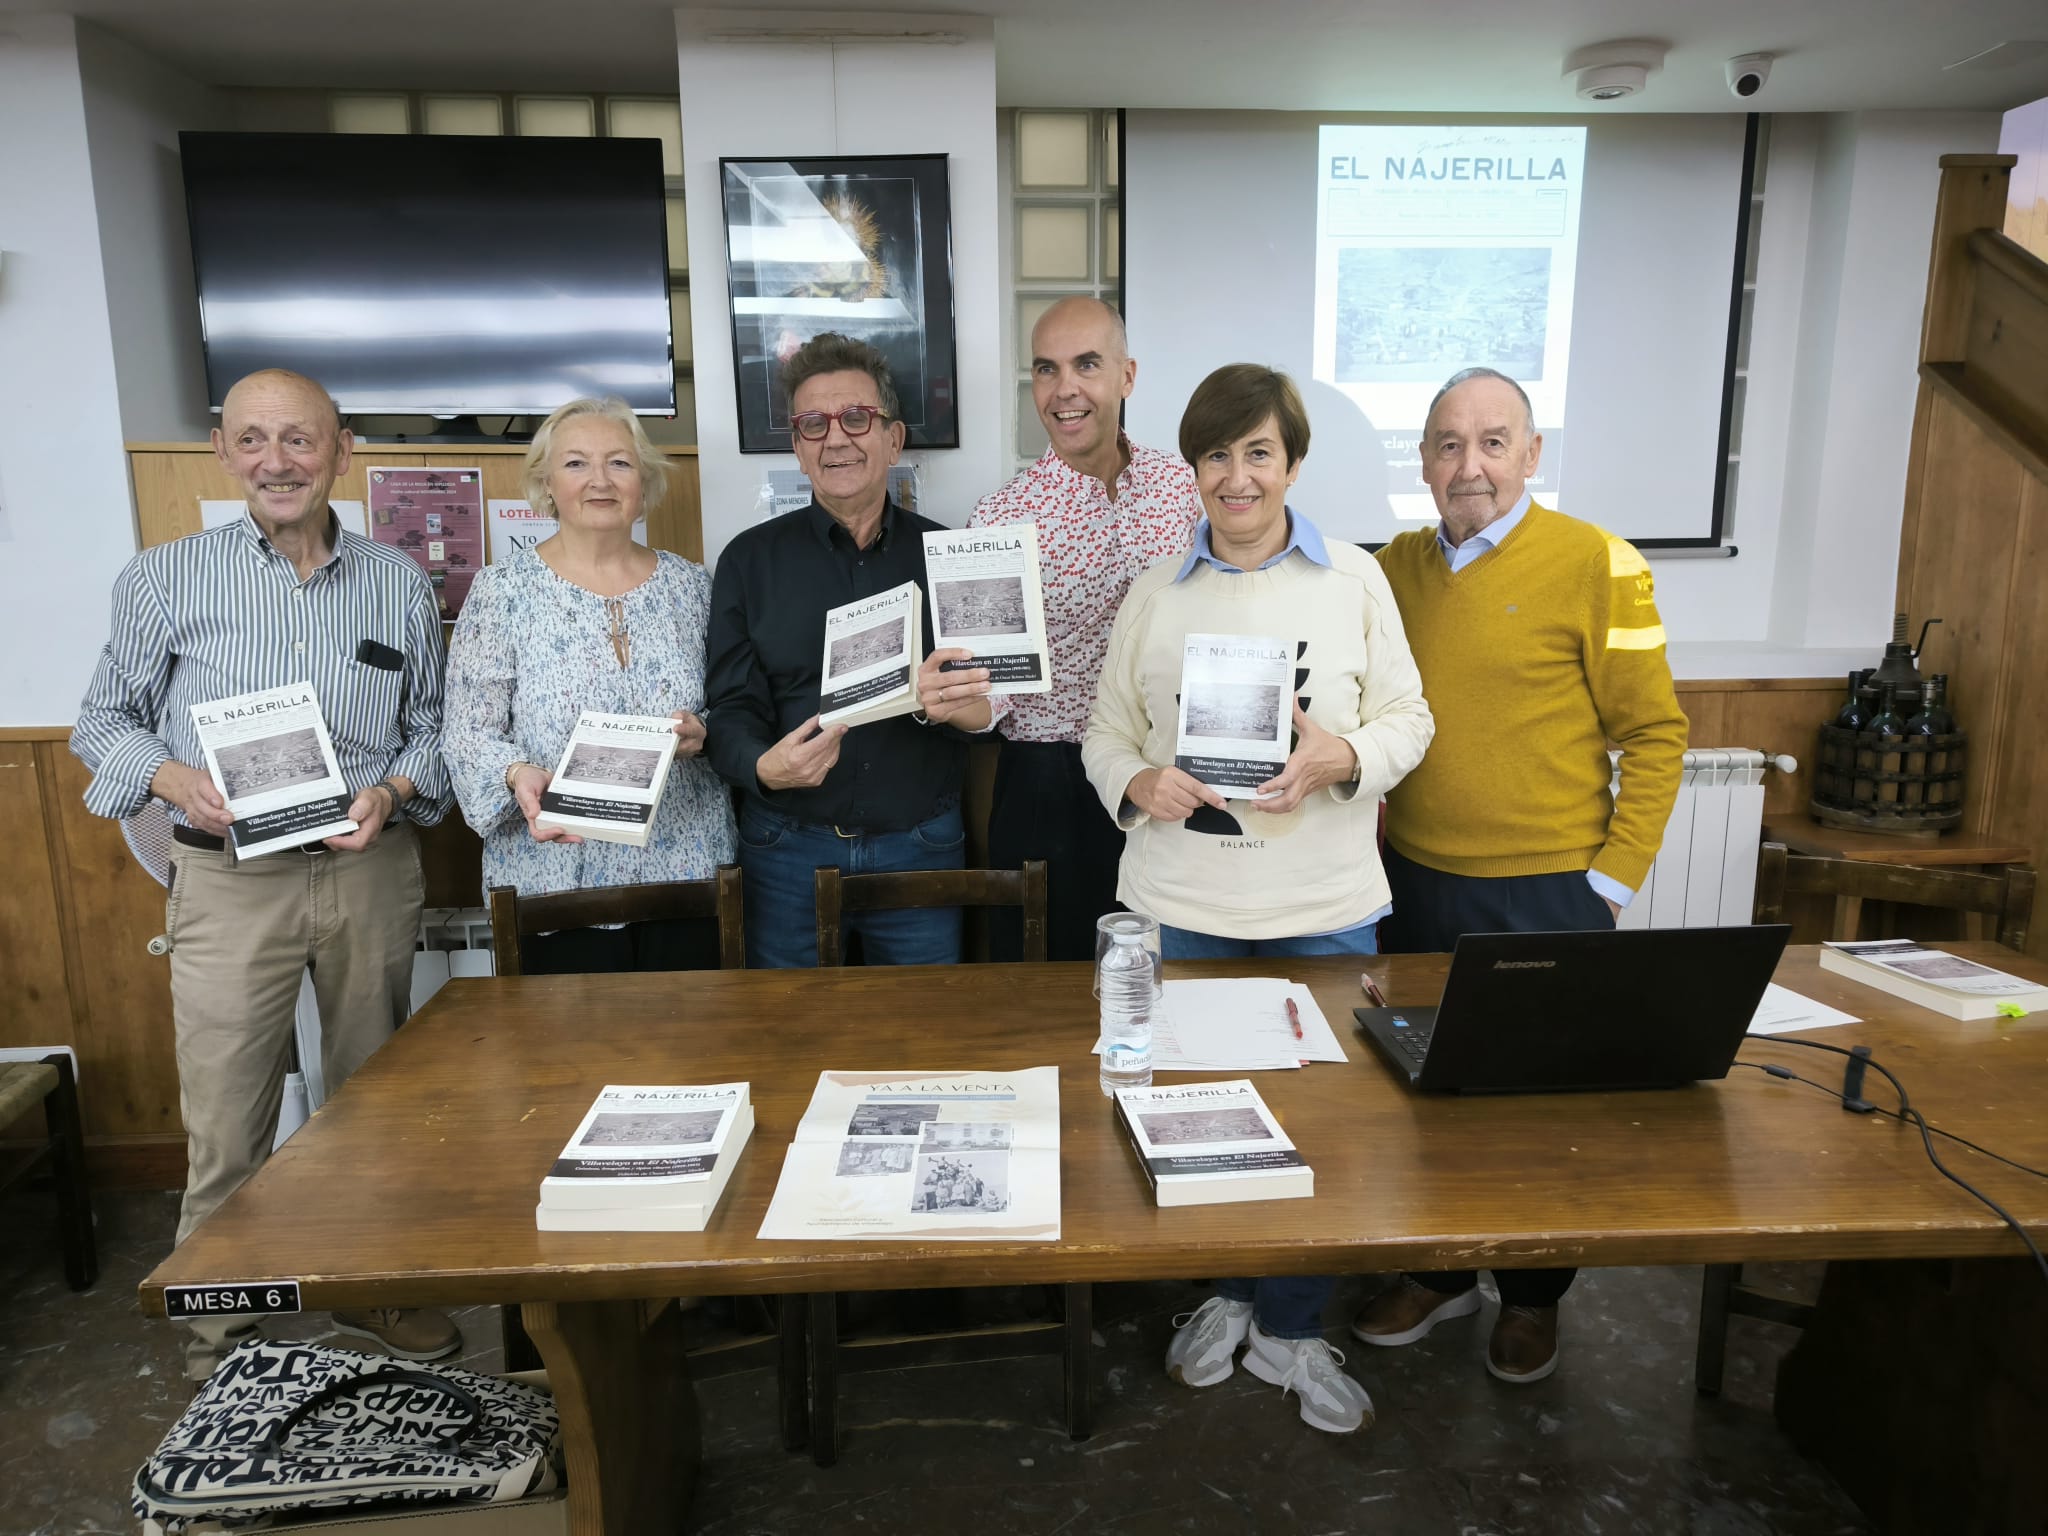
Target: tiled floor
<point x="1616" y="1441"/>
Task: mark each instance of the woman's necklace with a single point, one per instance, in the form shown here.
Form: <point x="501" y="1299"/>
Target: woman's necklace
<point x="622" y="643"/>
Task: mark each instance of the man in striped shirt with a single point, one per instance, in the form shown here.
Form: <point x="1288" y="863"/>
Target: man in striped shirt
<point x="283" y="596"/>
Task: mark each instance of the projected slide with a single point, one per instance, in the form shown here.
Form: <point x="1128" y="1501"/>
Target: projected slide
<point x="1439" y="249"/>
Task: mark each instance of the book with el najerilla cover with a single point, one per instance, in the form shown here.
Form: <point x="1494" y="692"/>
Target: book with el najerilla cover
<point x="986" y="598"/>
<point x="647" y="1159"/>
<point x="272" y="760"/>
<point x="1933" y="978"/>
<point x="610" y="777"/>
<point x="1236" y="711"/>
<point x="1210" y="1143"/>
<point x="950" y="1156"/>
<point x="873" y="648"/>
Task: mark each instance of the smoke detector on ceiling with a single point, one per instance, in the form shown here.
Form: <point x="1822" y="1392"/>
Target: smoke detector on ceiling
<point x="1610" y="71"/>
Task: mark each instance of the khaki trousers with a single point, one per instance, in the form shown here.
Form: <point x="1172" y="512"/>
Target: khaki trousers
<point x="241" y="936"/>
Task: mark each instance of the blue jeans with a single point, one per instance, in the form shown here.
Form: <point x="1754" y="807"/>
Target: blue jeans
<point x="1187" y="944"/>
<point x="778" y="856"/>
<point x="1288" y="1308"/>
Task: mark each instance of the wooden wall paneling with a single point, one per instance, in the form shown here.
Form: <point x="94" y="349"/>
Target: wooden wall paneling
<point x="1772" y="714"/>
<point x="678" y="523"/>
<point x="1971" y="197"/>
<point x="168" y="489"/>
<point x="2020" y="775"/>
<point x="1916" y="497"/>
<point x="1962" y="576"/>
<point x="169" y="479"/>
<point x="128" y="1070"/>
<point x="2007" y="340"/>
<point x="452" y="861"/>
<point x="36" y="1006"/>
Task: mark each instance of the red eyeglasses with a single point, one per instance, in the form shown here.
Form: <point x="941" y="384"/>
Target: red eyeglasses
<point x="854" y="421"/>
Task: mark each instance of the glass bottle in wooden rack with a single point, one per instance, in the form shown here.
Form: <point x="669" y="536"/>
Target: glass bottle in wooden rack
<point x="1888" y="727"/>
<point x="1921" y="727"/>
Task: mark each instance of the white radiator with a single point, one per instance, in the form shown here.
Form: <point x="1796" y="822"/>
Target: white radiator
<point x="1705" y="874"/>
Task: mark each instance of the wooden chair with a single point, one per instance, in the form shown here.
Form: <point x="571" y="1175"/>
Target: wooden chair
<point x="61" y="1154"/>
<point x="516" y="918"/>
<point x="838" y="894"/>
<point x="2007" y="896"/>
<point x="827" y="1356"/>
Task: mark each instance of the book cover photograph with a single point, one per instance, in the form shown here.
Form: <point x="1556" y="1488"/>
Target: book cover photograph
<point x="986" y="598"/>
<point x="959" y="1156"/>
<point x="872" y="651"/>
<point x="610" y="777"/>
<point x="270" y="757"/>
<point x="1236" y="711"/>
<point x="1209" y="1143"/>
<point x="437" y="517"/>
<point x="647" y="1158"/>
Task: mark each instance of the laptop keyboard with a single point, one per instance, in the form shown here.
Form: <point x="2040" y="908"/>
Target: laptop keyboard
<point x="1411" y="1039"/>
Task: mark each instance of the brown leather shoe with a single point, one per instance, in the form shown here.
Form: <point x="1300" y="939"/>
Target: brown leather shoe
<point x="1524" y="1344"/>
<point x="1408" y="1309"/>
<point x="411" y="1333"/>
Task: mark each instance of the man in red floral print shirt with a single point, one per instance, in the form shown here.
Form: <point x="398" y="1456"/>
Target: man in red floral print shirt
<point x="1106" y="508"/>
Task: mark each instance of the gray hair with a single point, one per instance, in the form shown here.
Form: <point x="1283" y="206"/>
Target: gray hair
<point x="830" y="352"/>
<point x="654" y="468"/>
<point x="1466" y="376"/>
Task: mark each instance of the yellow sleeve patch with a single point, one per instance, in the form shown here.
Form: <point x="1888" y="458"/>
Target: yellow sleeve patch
<point x="1623" y="558"/>
<point x="1648" y="638"/>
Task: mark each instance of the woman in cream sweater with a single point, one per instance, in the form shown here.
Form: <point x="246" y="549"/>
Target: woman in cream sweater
<point x="1296" y="872"/>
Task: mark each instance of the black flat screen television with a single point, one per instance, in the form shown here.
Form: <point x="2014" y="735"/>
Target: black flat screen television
<point x="422" y="275"/>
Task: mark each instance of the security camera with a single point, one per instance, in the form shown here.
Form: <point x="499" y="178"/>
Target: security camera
<point x="1747" y="73"/>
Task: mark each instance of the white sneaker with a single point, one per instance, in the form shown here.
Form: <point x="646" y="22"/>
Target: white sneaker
<point x="1205" y="1340"/>
<point x="1314" y="1372"/>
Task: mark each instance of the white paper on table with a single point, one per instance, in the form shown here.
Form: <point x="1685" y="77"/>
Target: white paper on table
<point x="1238" y="1024"/>
<point x="1784" y="1010"/>
<point x="218" y="514"/>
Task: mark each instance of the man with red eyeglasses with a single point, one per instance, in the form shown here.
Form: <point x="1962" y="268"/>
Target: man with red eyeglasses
<point x="883" y="796"/>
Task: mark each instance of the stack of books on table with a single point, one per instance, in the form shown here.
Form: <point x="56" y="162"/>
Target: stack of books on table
<point x="1947" y="983"/>
<point x="1209" y="1143"/>
<point x="647" y="1159"/>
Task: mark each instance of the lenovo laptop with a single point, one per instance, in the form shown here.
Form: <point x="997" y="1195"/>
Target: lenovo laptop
<point x="1551" y="1012"/>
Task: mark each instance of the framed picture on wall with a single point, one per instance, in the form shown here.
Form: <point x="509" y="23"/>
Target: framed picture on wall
<point x="861" y="245"/>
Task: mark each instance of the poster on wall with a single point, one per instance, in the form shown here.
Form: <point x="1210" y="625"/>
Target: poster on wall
<point x="516" y="526"/>
<point x="437" y="517"/>
<point x="1441" y="247"/>
<point x="858" y="245"/>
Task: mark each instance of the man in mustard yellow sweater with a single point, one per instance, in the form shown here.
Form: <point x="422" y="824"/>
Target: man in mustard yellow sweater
<point x="1538" y="642"/>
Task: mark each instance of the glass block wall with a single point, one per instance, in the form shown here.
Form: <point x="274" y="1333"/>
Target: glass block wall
<point x="1063" y="170"/>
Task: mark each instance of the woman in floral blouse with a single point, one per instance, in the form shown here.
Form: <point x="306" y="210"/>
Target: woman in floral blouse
<point x="587" y="620"/>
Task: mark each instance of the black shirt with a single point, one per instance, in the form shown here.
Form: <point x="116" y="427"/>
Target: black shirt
<point x="762" y="673"/>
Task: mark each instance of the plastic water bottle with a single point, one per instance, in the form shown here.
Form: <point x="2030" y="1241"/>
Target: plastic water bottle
<point x="1125" y="982"/>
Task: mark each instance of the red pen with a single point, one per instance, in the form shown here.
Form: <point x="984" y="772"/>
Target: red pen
<point x="1294" y="1018"/>
<point x="1379" y="998"/>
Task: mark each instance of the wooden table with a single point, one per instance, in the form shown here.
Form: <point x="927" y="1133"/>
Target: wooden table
<point x="415" y="1185"/>
<point x="1800" y="833"/>
<point x="1843" y="917"/>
